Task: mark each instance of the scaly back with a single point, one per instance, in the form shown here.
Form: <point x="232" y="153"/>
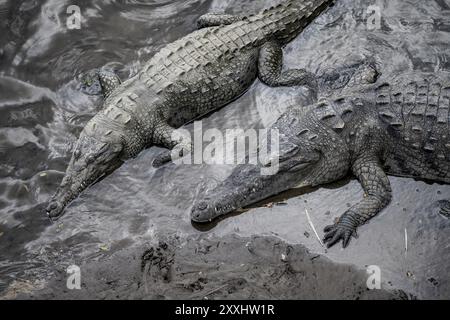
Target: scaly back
<point x="417" y="109"/>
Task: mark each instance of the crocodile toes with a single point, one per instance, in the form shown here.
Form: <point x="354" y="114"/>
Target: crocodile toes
<point x="335" y="233"/>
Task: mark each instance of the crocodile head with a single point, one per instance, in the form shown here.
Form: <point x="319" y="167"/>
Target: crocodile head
<point x="301" y="164"/>
<point x="247" y="185"/>
<point x="308" y="154"/>
<point x="91" y="160"/>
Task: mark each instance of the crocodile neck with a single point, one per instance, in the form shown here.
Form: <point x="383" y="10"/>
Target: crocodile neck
<point x="114" y="122"/>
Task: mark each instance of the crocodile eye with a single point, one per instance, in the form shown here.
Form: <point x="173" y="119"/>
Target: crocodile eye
<point x="90" y="159"/>
<point x="77" y="154"/>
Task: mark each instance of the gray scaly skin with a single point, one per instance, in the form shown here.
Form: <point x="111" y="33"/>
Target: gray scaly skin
<point x="188" y="78"/>
<point x="399" y="128"/>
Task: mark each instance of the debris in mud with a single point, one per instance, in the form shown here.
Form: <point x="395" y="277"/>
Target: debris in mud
<point x="315" y="257"/>
<point x="215" y="290"/>
<point x="312" y="227"/>
<point x="444" y="208"/>
<point x="406" y="241"/>
<point x="59" y="227"/>
<point x="196" y="285"/>
<point x="173" y="270"/>
<point x="20" y="287"/>
<point x="203" y="249"/>
<point x="104" y="247"/>
<point x="269" y="205"/>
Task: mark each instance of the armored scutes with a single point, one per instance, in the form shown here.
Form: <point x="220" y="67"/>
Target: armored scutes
<point x="400" y="127"/>
<point x="188" y="78"/>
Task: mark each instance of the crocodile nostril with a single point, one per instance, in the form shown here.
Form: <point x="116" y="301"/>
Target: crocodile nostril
<point x="53" y="206"/>
<point x="202" y="206"/>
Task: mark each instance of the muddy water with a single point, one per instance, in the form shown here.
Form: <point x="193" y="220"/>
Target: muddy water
<point x="42" y="111"/>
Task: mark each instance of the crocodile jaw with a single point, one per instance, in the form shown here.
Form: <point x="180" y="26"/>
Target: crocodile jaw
<point x="245" y="186"/>
<point x="91" y="161"/>
<point x="73" y="184"/>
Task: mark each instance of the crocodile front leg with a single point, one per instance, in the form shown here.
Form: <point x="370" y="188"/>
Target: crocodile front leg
<point x="216" y="19"/>
<point x="270" y="71"/>
<point x="377" y="192"/>
<point x="178" y="145"/>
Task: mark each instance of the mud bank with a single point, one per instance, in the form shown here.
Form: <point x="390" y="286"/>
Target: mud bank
<point x="224" y="268"/>
<point x="107" y="230"/>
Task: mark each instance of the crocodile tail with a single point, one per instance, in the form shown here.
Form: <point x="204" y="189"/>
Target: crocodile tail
<point x="291" y="17"/>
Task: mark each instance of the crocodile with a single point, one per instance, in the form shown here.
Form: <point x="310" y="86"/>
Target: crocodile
<point x="398" y="127"/>
<point x="187" y="79"/>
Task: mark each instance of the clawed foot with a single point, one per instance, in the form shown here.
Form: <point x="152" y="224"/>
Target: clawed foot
<point x="343" y="230"/>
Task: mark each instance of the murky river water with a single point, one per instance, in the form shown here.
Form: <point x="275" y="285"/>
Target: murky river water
<point x="42" y="111"/>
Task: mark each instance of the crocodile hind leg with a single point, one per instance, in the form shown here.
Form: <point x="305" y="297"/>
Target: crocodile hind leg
<point x="177" y="145"/>
<point x="100" y="82"/>
<point x="377" y="195"/>
<point x="216" y="19"/>
<point x="270" y="71"/>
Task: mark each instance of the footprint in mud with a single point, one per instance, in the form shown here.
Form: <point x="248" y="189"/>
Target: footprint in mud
<point x="444" y="208"/>
<point x="157" y="263"/>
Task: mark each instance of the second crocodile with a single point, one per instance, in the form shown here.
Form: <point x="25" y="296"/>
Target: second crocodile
<point x="399" y="127"/>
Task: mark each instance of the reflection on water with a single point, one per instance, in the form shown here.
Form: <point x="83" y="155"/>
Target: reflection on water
<point x="42" y="111"/>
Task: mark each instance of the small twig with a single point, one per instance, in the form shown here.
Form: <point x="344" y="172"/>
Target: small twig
<point x="406" y="242"/>
<point x="144" y="276"/>
<point x="312" y="227"/>
<point x="215" y="290"/>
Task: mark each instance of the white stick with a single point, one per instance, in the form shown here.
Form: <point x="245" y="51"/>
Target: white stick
<point x="406" y="242"/>
<point x="312" y="227"/>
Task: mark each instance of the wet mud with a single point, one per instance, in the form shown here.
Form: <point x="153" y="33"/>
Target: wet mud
<point x="114" y="224"/>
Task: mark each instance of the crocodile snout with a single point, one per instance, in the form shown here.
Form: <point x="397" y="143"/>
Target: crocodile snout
<point x="201" y="213"/>
<point x="54" y="210"/>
